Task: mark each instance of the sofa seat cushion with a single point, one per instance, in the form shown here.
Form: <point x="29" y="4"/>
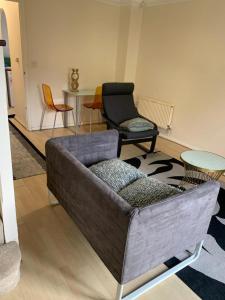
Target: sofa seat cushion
<point x="137" y="125"/>
<point x="116" y="173"/>
<point x="147" y="191"/>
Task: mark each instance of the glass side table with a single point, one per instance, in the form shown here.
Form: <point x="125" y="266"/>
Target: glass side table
<point x="201" y="166"/>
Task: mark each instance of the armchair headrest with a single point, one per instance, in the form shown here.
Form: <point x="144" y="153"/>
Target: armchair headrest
<point x="117" y="88"/>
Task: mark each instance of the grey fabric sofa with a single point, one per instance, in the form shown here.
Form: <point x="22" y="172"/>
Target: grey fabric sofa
<point x="130" y="241"/>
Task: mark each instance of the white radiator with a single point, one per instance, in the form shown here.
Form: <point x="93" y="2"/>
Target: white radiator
<point x="157" y="111"/>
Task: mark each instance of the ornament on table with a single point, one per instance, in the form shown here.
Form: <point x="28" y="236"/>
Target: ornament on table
<point x="74" y="77"/>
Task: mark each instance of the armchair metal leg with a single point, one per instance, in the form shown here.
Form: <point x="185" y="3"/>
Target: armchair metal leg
<point x="158" y="279"/>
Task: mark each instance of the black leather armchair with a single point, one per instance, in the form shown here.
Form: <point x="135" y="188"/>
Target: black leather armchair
<point x="118" y="106"/>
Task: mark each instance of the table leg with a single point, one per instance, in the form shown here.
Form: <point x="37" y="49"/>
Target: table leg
<point x="78" y="109"/>
<point x="77" y="112"/>
<point x="65" y="119"/>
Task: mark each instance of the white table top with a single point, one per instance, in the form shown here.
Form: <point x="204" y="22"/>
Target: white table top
<point x="80" y="92"/>
<point x="204" y="160"/>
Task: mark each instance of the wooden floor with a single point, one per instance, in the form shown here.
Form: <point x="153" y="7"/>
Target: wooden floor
<point x="58" y="262"/>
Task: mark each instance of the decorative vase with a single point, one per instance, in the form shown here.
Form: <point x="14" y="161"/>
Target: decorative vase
<point x="74" y="77"/>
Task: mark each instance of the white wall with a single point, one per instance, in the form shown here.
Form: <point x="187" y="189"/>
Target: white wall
<point x="182" y="60"/>
<point x="122" y="43"/>
<point x="128" y="42"/>
<point x="64" y="34"/>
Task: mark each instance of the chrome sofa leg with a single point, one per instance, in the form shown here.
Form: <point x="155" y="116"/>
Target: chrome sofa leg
<point x="158" y="279"/>
<point x="52" y="199"/>
<point x="119" y="292"/>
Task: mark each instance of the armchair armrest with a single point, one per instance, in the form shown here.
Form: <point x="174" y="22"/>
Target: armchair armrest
<point x="88" y="148"/>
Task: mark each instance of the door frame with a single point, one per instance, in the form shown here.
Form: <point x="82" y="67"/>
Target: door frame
<point x="7" y="195"/>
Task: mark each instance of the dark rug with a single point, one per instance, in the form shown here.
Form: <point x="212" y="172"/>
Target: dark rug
<point x="26" y="161"/>
<point x="206" y="277"/>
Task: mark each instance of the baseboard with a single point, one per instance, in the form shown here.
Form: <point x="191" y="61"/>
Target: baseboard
<point x="12" y="116"/>
<point x="49" y="126"/>
<point x="183" y="144"/>
<point x="171" y="139"/>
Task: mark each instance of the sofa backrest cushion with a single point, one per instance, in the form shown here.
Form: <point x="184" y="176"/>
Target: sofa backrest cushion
<point x="147" y="191"/>
<point x="88" y="148"/>
<point x="116" y="173"/>
<point x="118" y="101"/>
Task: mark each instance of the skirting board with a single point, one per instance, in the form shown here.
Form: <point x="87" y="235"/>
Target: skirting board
<point x="49" y="126"/>
<point x="179" y="142"/>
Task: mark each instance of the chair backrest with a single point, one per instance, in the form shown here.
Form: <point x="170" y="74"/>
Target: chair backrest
<point x="47" y="93"/>
<point x="98" y="94"/>
<point x="118" y="101"/>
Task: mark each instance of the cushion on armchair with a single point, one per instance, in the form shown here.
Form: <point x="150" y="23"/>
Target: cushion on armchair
<point x="137" y="125"/>
<point x="116" y="173"/>
<point x="147" y="191"/>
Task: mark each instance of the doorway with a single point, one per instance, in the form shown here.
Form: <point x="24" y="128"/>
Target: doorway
<point x="8" y="69"/>
<point x="7" y="198"/>
<point x="13" y="62"/>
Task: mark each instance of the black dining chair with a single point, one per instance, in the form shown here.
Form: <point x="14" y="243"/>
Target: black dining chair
<point x="118" y="106"/>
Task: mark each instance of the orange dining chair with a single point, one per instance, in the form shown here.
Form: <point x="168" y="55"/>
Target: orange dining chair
<point x="96" y="104"/>
<point x="50" y="105"/>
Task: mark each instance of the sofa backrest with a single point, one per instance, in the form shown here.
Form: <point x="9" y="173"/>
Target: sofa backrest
<point x="89" y="148"/>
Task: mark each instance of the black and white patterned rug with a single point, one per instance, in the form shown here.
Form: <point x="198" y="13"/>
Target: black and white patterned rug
<point x="206" y="277"/>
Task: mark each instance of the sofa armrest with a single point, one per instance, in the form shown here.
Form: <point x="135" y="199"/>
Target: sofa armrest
<point x="88" y="148"/>
<point x="160" y="231"/>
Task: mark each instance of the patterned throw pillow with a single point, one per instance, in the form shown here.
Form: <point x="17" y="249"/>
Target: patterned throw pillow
<point x="137" y="125"/>
<point x="116" y="173"/>
<point x="147" y="191"/>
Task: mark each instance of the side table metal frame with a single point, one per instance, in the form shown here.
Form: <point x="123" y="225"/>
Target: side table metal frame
<point x="196" y="175"/>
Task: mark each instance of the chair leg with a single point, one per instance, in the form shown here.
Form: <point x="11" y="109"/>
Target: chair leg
<point x="90" y="119"/>
<point x="152" y="147"/>
<point x="119" y="146"/>
<point x="54" y="123"/>
<point x="63" y="117"/>
<point x="100" y="115"/>
<point x="74" y="122"/>
<point x="42" y="118"/>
